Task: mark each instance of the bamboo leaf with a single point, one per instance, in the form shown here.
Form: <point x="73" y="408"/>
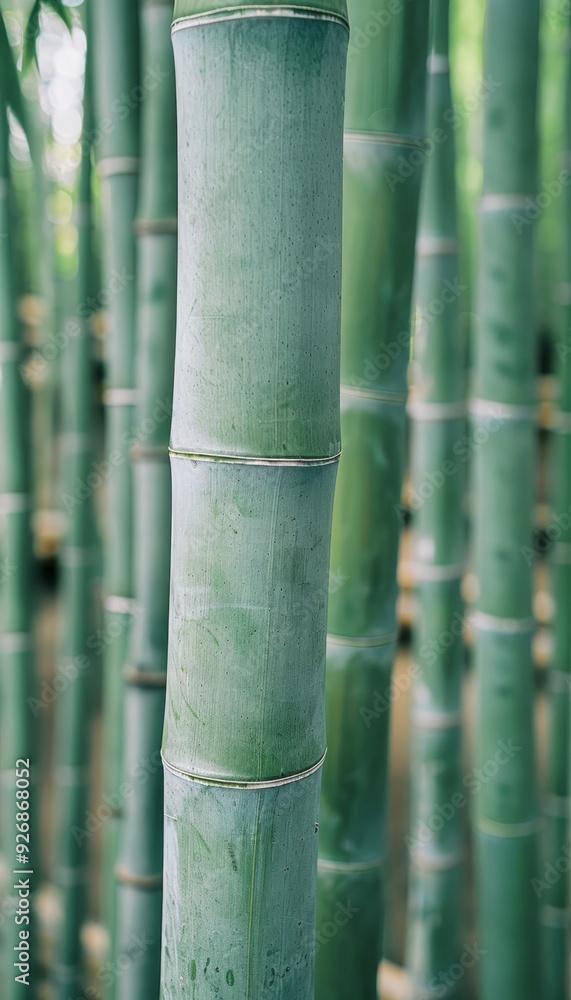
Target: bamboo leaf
<point x="32" y="30"/>
<point x="10" y="92"/>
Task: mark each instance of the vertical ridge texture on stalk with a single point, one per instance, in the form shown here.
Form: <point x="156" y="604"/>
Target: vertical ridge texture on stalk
<point x="139" y="870"/>
<point x="505" y="809"/>
<point x="72" y="729"/>
<point x="383" y="154"/>
<point x="254" y="447"/>
<point x="434" y="924"/>
<point x="119" y="92"/>
<point x="16" y="599"/>
<point x="554" y="905"/>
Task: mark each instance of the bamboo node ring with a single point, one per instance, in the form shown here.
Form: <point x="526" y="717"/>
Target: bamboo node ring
<point x="248" y="785"/>
<point x="363" y="641"/>
<point x="399" y="398"/>
<point x="156" y="227"/>
<point x="430" y="863"/>
<point x="145" y="678"/>
<point x="113" y="165"/>
<point x="235" y="12"/>
<point x="146" y="882"/>
<point x="148" y="453"/>
<point x="495" y="623"/>
<point x="418" y="410"/>
<point x="386" y="138"/>
<point x="121" y="397"/>
<point x="554" y="916"/>
<point x="249" y="460"/>
<point x="437" y="63"/>
<point x="117" y="605"/>
<point x="502" y="411"/>
<point x="527" y="828"/>
<point x="430" y="573"/>
<point x="10" y="350"/>
<point x="325" y="865"/>
<point x="431" y="246"/>
<point x="15" y="642"/>
<point x="14" y="503"/>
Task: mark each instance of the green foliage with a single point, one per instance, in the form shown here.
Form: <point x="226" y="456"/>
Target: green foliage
<point x="33" y="28"/>
<point x="10" y="93"/>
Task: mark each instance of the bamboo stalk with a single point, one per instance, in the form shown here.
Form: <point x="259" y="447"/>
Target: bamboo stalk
<point x="72" y="744"/>
<point x="17" y="803"/>
<point x="254" y="448"/>
<point x="504" y="415"/>
<point x="434" y="925"/>
<point x="141" y="853"/>
<point x="554" y="906"/>
<point x="384" y="125"/>
<point x="118" y="93"/>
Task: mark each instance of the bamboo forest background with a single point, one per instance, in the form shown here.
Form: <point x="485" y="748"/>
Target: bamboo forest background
<point x="449" y="586"/>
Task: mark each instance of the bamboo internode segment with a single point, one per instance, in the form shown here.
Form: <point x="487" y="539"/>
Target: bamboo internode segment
<point x="505" y="810"/>
<point x="116" y="47"/>
<point x="254" y="446"/>
<point x="17" y="741"/>
<point x="383" y="150"/>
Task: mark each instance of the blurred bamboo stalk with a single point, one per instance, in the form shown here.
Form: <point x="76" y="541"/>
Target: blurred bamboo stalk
<point x="115" y="28"/>
<point x="554" y="908"/>
<point x="17" y="728"/>
<point x="506" y="821"/>
<point x="72" y="743"/>
<point x="384" y="129"/>
<point x="438" y="411"/>
<point x="141" y="843"/>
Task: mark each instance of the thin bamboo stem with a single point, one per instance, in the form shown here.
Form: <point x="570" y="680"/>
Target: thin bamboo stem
<point x="17" y="746"/>
<point x="434" y="924"/>
<point x="505" y="811"/>
<point x="72" y="743"/>
<point x="384" y="125"/>
<point x="119" y="93"/>
<point x="139" y="870"/>
<point x="553" y="884"/>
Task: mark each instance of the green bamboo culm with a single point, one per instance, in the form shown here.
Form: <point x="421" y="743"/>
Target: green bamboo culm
<point x="383" y="156"/>
<point x="72" y="728"/>
<point x="119" y="93"/>
<point x="141" y="851"/>
<point x="505" y="810"/>
<point x="18" y="763"/>
<point x="554" y="895"/>
<point x="438" y="411"/>
<point x="254" y="449"/>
